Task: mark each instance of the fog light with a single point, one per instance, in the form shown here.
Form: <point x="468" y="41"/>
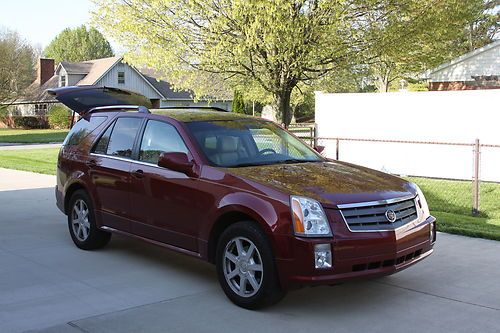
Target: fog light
<point x="322" y="256"/>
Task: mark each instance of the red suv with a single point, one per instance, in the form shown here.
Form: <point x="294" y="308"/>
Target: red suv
<point x="240" y="192"/>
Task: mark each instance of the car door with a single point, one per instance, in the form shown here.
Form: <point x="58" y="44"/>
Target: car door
<point x="109" y="171"/>
<point x="167" y="205"/>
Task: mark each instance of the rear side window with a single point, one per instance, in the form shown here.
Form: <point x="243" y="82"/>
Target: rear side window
<point x="118" y="140"/>
<point x="160" y="137"/>
<point x="82" y="129"/>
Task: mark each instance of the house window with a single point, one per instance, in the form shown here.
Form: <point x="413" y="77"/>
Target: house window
<point x="121" y="77"/>
<point x="63" y="80"/>
<point x="40" y="109"/>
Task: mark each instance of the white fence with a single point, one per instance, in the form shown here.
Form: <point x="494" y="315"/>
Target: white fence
<point x="447" y="117"/>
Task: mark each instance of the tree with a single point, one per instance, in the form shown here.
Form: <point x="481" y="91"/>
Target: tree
<point x="78" y="44"/>
<point x="450" y="29"/>
<point x="274" y="44"/>
<point x="483" y="29"/>
<point x="238" y="102"/>
<point x="17" y="65"/>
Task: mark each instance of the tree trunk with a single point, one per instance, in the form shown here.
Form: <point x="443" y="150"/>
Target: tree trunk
<point x="281" y="105"/>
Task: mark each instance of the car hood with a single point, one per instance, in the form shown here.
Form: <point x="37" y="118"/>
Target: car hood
<point x="332" y="183"/>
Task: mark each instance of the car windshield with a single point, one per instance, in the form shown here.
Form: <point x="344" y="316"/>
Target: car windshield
<point x="247" y="142"/>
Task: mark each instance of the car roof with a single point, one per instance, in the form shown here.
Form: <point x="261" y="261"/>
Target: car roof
<point x="196" y="114"/>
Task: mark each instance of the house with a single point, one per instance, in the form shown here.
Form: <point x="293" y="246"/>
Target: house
<point x="479" y="69"/>
<point x="109" y="72"/>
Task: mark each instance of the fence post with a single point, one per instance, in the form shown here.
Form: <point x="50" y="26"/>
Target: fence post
<point x="315" y="135"/>
<point x="475" y="184"/>
<point x="337" y="149"/>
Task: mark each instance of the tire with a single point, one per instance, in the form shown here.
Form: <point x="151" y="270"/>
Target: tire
<point x="82" y="226"/>
<point x="249" y="279"/>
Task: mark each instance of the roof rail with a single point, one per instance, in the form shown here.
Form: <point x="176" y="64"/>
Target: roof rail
<point x="193" y="107"/>
<point x="139" y="108"/>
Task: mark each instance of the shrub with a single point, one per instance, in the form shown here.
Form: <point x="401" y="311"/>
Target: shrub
<point x="4" y="114"/>
<point x="28" y="122"/>
<point x="59" y="117"/>
<point x="238" y="103"/>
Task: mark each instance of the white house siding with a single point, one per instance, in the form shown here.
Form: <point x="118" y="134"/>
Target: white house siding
<point x="62" y="72"/>
<point x="444" y="116"/>
<point x="72" y="79"/>
<point x="484" y="63"/>
<point x="170" y="103"/>
<point x="133" y="81"/>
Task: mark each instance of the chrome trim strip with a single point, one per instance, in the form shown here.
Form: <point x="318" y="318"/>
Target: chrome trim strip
<point x="389" y="201"/>
<point x="374" y="203"/>
<point x="152" y="241"/>
<point x="140" y="162"/>
<point x="140" y="108"/>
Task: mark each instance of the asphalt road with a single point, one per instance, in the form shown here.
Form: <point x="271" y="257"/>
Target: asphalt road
<point x="47" y="284"/>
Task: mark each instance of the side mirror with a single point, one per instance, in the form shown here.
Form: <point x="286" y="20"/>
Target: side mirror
<point x="319" y="149"/>
<point x="178" y="162"/>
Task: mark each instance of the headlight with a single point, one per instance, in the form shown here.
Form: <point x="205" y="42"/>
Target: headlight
<point x="309" y="219"/>
<point x="422" y="203"/>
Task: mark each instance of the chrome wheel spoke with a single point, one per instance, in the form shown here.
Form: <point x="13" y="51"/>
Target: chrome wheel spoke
<point x="253" y="282"/>
<point x="233" y="273"/>
<point x="239" y="248"/>
<point x="255" y="268"/>
<point x="231" y="257"/>
<point x="243" y="284"/>
<point x="250" y="251"/>
<point x="85" y="232"/>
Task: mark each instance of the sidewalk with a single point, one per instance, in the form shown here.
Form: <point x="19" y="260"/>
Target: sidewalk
<point x="21" y="180"/>
<point x="13" y="146"/>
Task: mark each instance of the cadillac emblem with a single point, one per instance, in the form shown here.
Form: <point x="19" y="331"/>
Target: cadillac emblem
<point x="390" y="215"/>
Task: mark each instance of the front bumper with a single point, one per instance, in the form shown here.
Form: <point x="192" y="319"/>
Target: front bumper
<point x="357" y="255"/>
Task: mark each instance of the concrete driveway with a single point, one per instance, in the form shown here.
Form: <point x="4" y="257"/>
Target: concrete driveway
<point x="47" y="284"/>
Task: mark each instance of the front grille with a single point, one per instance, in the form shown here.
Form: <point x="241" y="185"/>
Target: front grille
<point x="372" y="216"/>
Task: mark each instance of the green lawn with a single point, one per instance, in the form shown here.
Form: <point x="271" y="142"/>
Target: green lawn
<point x="451" y="203"/>
<point x="8" y="135"/>
<point x="35" y="160"/>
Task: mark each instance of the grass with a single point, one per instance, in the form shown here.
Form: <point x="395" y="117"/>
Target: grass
<point x="8" y="135"/>
<point x="451" y="202"/>
<point x="34" y="160"/>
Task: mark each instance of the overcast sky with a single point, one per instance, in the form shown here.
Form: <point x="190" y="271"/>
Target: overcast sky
<point x="39" y="21"/>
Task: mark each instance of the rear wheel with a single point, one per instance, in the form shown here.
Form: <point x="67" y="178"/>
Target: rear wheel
<point x="81" y="223"/>
<point x="245" y="267"/>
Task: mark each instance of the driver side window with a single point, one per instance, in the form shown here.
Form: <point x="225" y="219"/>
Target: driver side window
<point x="159" y="137"/>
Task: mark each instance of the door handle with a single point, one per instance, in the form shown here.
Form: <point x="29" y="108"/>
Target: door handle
<point x="91" y="163"/>
<point x="138" y="173"/>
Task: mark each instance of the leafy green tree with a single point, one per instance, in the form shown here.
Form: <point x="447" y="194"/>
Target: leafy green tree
<point x="276" y="45"/>
<point x="238" y="102"/>
<point x="78" y="44"/>
<point x="450" y="29"/>
<point x="483" y="29"/>
<point x="17" y="65"/>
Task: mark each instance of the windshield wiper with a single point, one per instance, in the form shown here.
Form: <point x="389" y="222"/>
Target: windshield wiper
<point x="285" y="161"/>
<point x="293" y="161"/>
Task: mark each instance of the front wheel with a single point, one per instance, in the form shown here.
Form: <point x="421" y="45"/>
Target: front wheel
<point x="245" y="267"/>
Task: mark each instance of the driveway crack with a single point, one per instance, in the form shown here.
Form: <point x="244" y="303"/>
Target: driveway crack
<point x="438" y="296"/>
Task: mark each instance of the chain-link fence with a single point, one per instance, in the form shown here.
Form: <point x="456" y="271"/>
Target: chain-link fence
<point x="457" y="178"/>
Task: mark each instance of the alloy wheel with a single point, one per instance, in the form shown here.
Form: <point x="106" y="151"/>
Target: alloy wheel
<point x="242" y="266"/>
<point x="80" y="220"/>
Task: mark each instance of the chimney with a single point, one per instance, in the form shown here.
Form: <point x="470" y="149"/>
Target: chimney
<point x="45" y="70"/>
